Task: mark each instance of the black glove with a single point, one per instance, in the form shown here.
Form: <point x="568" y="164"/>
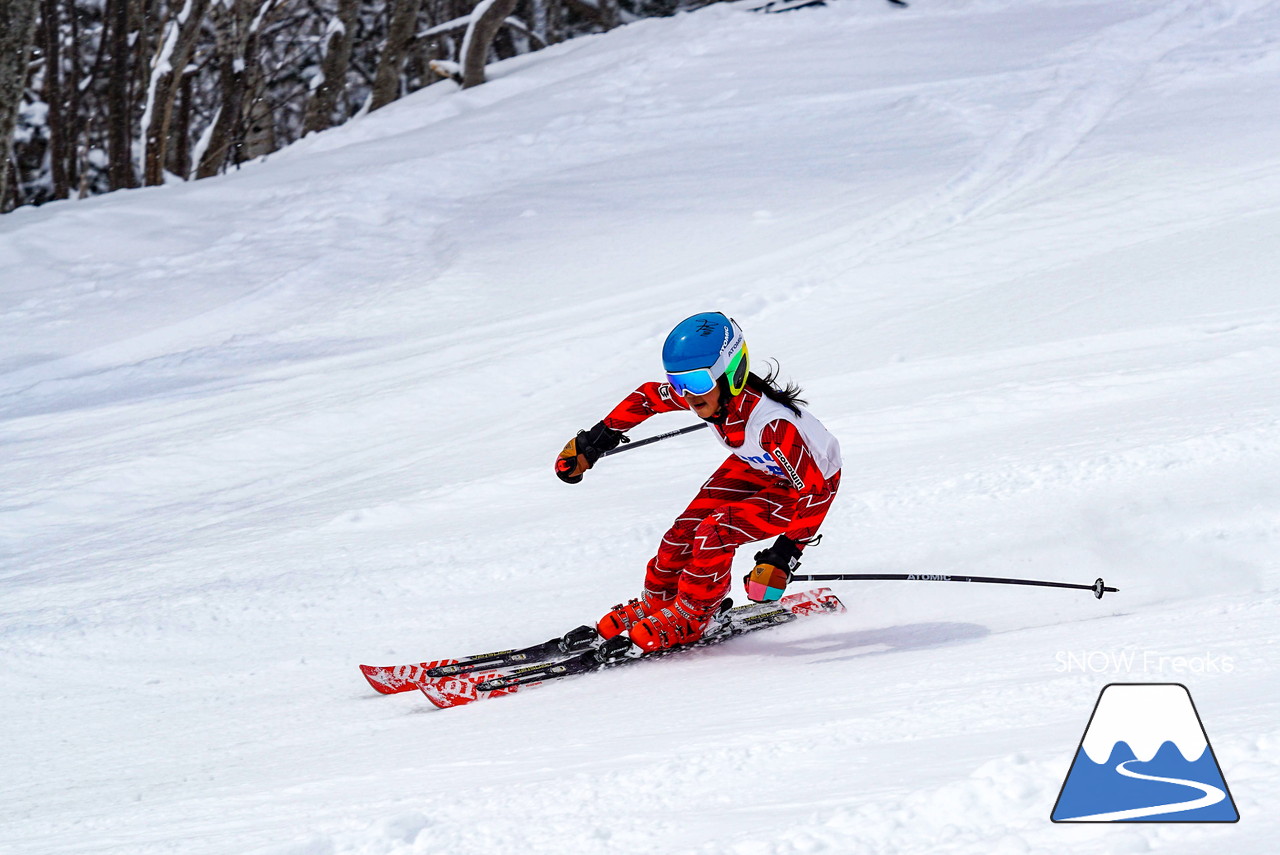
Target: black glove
<point x="582" y="452"/>
<point x="774" y="567"/>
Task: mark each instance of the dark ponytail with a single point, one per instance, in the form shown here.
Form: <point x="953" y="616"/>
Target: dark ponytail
<point x="788" y="395"/>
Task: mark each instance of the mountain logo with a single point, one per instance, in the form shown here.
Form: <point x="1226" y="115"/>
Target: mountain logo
<point x="1145" y="757"/>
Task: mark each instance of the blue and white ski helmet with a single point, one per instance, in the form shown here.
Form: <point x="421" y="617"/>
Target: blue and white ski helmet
<point x="702" y="349"/>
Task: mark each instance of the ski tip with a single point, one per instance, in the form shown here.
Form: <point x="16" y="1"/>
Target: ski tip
<point x="438" y="700"/>
<point x="393" y="679"/>
<point x="448" y="692"/>
<point x="382" y="679"/>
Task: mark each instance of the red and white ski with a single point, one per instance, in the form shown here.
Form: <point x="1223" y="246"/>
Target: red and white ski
<point x="453" y="691"/>
<point x="391" y="679"/>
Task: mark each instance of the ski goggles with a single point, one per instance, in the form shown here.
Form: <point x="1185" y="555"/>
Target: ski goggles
<point x="700" y="381"/>
<point x="697" y="382"/>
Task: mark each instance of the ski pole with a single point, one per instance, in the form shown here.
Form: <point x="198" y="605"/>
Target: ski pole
<point x="639" y="442"/>
<point x="1097" y="587"/>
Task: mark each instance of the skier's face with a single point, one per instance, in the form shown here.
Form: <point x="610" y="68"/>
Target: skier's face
<point x="706" y="405"/>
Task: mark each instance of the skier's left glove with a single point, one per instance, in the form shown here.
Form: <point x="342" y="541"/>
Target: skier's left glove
<point x="582" y="452"/>
<point x="774" y="567"/>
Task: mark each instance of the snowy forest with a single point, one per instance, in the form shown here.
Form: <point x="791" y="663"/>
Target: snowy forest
<point x="98" y="95"/>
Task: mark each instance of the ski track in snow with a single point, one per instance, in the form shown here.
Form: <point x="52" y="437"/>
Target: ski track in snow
<point x="258" y="429"/>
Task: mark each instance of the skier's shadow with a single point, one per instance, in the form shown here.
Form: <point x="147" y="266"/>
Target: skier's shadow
<point x="873" y="642"/>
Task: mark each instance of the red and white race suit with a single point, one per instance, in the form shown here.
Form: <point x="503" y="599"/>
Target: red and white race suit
<point x="781" y="475"/>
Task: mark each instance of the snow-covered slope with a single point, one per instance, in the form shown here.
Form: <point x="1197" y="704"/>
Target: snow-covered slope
<point x="259" y="429"/>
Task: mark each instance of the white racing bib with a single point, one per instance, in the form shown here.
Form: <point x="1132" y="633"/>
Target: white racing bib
<point x="824" y="447"/>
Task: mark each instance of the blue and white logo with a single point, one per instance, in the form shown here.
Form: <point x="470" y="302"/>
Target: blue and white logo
<point x="1145" y="757"/>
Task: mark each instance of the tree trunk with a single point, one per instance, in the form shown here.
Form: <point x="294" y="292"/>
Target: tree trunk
<point x="259" y="137"/>
<point x="400" y="34"/>
<point x="17" y="26"/>
<point x="180" y="141"/>
<point x="59" y="144"/>
<point x="237" y="46"/>
<point x="214" y="156"/>
<point x="610" y="14"/>
<point x="120" y="104"/>
<point x="167" y="70"/>
<point x="76" y="124"/>
<point x="486" y="19"/>
<point x="552" y="22"/>
<point x="333" y="68"/>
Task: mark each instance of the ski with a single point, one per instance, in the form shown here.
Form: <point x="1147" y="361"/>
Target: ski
<point x="392" y="679"/>
<point x="453" y="691"/>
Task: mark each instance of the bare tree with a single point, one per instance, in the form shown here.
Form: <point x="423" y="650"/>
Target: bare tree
<point x="96" y="95"/>
<point x="119" y="97"/>
<point x="179" y="157"/>
<point x="167" y="70"/>
<point x="17" y="24"/>
<point x="238" y="25"/>
<point x="332" y="84"/>
<point x="50" y="46"/>
<point x="486" y="20"/>
<point x="400" y="37"/>
<point x="73" y="98"/>
<point x="610" y="14"/>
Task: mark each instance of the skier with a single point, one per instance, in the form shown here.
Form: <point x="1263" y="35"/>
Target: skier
<point x="781" y="475"/>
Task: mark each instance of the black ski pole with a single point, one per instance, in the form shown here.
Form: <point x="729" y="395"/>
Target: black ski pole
<point x="639" y="442"/>
<point x="1097" y="587"/>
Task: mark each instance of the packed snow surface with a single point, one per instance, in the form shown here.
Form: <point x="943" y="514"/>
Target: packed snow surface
<point x="260" y="429"/>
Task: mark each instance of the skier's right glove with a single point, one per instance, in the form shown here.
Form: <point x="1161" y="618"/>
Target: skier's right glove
<point x="582" y="452"/>
<point x="774" y="567"/>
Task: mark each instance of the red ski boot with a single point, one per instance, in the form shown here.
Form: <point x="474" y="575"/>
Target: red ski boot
<point x="669" y="626"/>
<point x="628" y="614"/>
